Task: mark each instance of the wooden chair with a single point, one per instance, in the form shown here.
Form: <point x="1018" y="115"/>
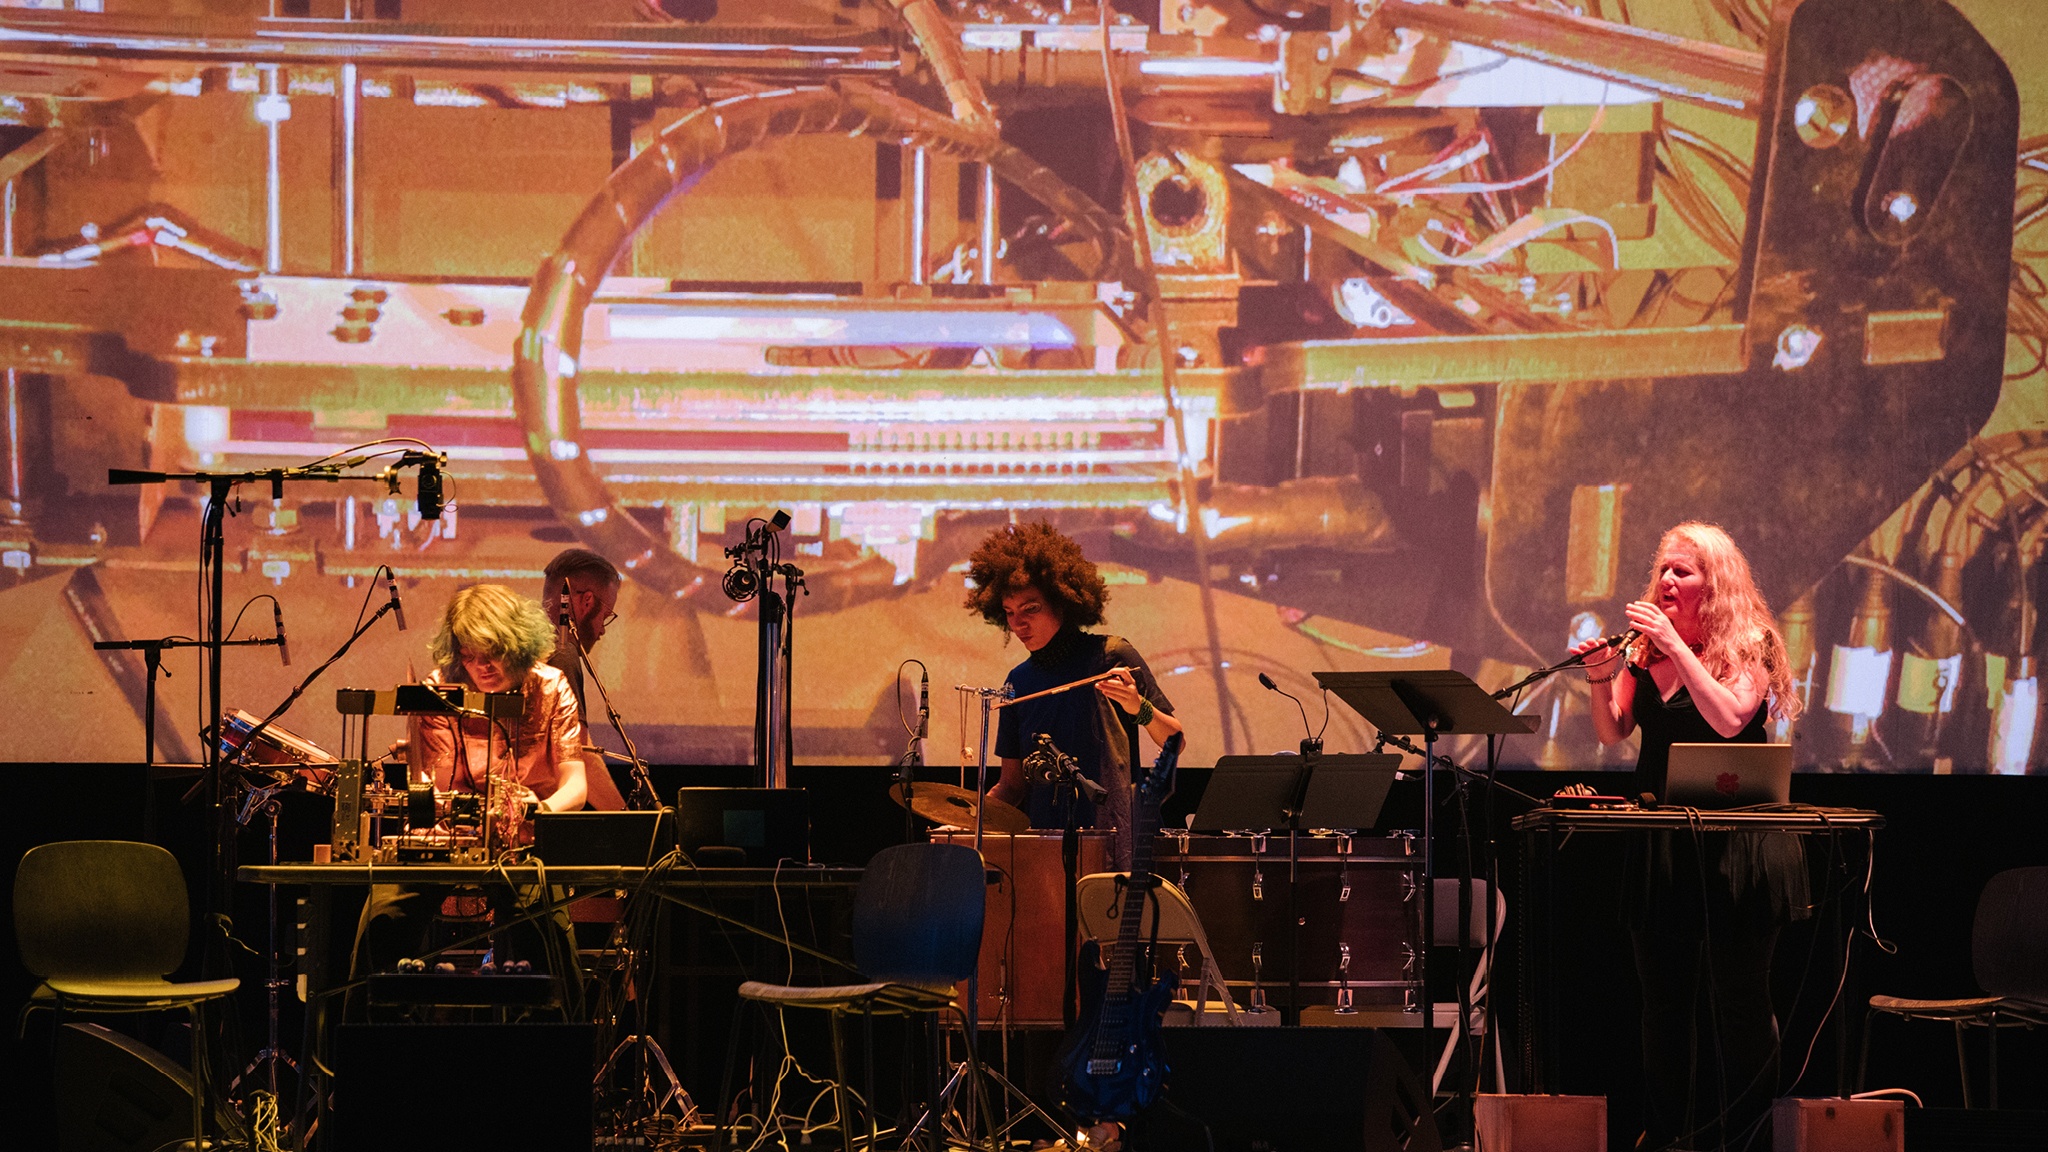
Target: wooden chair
<point x="2008" y="956"/>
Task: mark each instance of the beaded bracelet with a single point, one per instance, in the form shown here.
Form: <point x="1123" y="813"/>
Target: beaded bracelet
<point x="1602" y="679"/>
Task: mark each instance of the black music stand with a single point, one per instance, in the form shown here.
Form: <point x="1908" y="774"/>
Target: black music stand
<point x="1428" y="703"/>
<point x="1286" y="794"/>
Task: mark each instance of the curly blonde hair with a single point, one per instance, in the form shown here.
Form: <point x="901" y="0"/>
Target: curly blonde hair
<point x="492" y="620"/>
<point x="1740" y="633"/>
<point x="1036" y="555"/>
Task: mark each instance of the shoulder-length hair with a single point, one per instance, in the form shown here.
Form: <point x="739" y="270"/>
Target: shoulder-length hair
<point x="492" y="620"/>
<point x="1035" y="555"/>
<point x="1739" y="633"/>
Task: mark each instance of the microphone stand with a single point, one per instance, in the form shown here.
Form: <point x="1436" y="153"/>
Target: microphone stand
<point x="643" y="796"/>
<point x="1057" y="768"/>
<point x="212" y="566"/>
<point x="249" y="740"/>
<point x="265" y="800"/>
<point x="153" y="659"/>
<point x="913" y="756"/>
<point x="645" y="1047"/>
<point x="1311" y="756"/>
<point x="1458" y="771"/>
<point x="1569" y="662"/>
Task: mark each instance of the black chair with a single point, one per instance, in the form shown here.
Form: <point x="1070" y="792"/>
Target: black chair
<point x="2008" y="956"/>
<point x="917" y="920"/>
<point x="101" y="923"/>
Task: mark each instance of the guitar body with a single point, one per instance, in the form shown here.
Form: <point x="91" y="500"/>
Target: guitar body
<point x="1140" y="1073"/>
<point x="1110" y="1065"/>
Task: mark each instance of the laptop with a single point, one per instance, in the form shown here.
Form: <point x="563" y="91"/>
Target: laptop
<point x="627" y="839"/>
<point x="765" y="825"/>
<point x="1728" y="775"/>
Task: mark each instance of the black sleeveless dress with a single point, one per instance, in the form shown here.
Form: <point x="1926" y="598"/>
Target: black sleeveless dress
<point x="1671" y="878"/>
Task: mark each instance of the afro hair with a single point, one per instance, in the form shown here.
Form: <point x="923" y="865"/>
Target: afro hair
<point x="1036" y="555"/>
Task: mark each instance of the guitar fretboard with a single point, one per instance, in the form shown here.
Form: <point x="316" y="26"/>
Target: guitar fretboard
<point x="1114" y="1030"/>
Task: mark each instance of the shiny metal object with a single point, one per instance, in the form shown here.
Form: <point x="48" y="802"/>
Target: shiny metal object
<point x="958" y="807"/>
<point x="347" y="166"/>
<point x="97" y="39"/>
<point x="273" y="108"/>
<point x="920" y="210"/>
<point x="1710" y="75"/>
<point x="988" y="214"/>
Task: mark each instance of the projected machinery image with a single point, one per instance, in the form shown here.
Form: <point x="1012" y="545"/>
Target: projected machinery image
<point x="1400" y="336"/>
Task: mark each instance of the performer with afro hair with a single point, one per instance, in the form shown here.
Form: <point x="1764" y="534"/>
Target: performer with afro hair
<point x="1033" y="582"/>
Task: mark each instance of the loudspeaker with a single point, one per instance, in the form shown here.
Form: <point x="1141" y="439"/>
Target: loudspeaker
<point x="116" y="1094"/>
<point x="1340" y="1089"/>
<point x="1541" y="1123"/>
<point x="462" y="1087"/>
<point x="1837" y="1125"/>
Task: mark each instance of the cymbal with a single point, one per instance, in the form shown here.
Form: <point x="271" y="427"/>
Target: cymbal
<point x="949" y="804"/>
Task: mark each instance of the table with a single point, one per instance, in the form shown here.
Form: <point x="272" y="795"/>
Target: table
<point x="683" y="885"/>
<point x="1545" y="830"/>
<point x="603" y="875"/>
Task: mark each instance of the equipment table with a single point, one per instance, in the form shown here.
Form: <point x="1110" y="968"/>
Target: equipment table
<point x="1546" y="829"/>
<point x="675" y="885"/>
<point x="682" y="877"/>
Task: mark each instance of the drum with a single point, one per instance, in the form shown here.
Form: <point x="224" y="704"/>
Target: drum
<point x="277" y="752"/>
<point x="1026" y="916"/>
<point x="1357" y="902"/>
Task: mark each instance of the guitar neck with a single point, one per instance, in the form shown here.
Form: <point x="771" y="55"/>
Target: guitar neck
<point x="1123" y="964"/>
<point x="1114" y="1029"/>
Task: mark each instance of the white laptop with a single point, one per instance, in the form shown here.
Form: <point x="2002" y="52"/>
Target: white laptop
<point x="1728" y="775"/>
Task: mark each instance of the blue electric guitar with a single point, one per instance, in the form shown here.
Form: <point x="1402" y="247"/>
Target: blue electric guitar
<point x="1111" y="1065"/>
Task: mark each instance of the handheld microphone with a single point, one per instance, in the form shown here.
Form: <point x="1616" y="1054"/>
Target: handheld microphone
<point x="397" y="605"/>
<point x="924" y="705"/>
<point x="1621" y="638"/>
<point x="284" y="650"/>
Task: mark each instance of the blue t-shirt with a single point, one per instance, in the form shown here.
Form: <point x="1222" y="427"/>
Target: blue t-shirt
<point x="1083" y="723"/>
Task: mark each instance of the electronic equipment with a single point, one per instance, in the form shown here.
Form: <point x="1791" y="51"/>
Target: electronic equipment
<point x="767" y="825"/>
<point x="628" y="839"/>
<point x="1728" y="775"/>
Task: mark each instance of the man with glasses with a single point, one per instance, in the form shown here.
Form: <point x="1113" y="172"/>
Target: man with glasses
<point x="588" y="585"/>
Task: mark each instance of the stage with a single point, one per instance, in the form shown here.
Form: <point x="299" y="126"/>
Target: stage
<point x="1942" y="838"/>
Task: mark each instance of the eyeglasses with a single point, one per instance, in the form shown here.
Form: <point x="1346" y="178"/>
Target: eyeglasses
<point x="608" y="617"/>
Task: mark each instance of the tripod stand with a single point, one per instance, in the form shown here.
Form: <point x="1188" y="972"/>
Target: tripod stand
<point x="265" y="800"/>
